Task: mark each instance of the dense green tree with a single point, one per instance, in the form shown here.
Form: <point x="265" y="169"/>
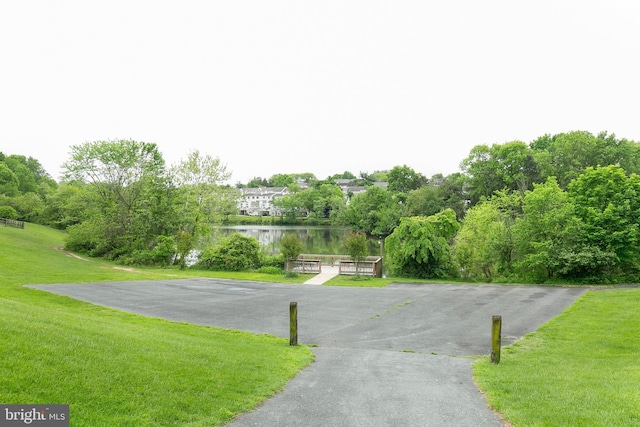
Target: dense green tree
<point x="403" y="179"/>
<point x="329" y="200"/>
<point x="133" y="203"/>
<point x="29" y="206"/>
<point x="425" y="201"/>
<point x="567" y="155"/>
<point x="281" y="180"/>
<point x="343" y="175"/>
<point x="626" y="153"/>
<point x="419" y="246"/>
<point x="475" y="245"/>
<point x="322" y="200"/>
<point x="375" y="212"/>
<point x="509" y="166"/>
<point x="290" y="207"/>
<point x="26" y="179"/>
<point x="452" y="190"/>
<point x="69" y="204"/>
<point x="546" y="233"/>
<point x="607" y="201"/>
<point x="484" y="247"/>
<point x="8" y="212"/>
<point x="8" y="181"/>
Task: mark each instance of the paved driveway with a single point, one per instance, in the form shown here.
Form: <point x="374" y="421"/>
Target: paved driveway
<point x="384" y="356"/>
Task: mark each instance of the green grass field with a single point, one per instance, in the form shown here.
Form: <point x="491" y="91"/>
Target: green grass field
<point x="580" y="369"/>
<point x="119" y="369"/>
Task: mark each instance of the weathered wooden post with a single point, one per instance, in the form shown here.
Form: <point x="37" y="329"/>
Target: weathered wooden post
<point x="293" y="323"/>
<point x="496" y="338"/>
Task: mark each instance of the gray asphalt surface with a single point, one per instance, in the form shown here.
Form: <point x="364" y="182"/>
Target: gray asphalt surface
<point x="384" y="356"/>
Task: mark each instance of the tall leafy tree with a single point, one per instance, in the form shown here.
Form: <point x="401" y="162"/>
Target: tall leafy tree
<point x="509" y="166"/>
<point x="453" y="190"/>
<point x="425" y="201"/>
<point x="476" y="246"/>
<point x="419" y="246"/>
<point x="281" y="180"/>
<point x="547" y="233"/>
<point x="132" y="204"/>
<point x="201" y="197"/>
<point x="485" y="245"/>
<point x="567" y="155"/>
<point x="9" y="184"/>
<point x="403" y="179"/>
<point x="322" y="200"/>
<point x="607" y="201"/>
<point x="70" y="204"/>
<point x="26" y="177"/>
<point x="375" y="212"/>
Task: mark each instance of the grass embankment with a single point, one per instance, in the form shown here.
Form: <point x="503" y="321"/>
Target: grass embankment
<point x="580" y="369"/>
<point x="115" y="368"/>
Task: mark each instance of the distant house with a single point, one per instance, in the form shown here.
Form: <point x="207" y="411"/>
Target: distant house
<point x="259" y="201"/>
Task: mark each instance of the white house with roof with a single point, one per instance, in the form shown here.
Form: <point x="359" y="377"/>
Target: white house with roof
<point x="259" y="201"/>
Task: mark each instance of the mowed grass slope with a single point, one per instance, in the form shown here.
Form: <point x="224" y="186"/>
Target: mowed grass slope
<point x="115" y="368"/>
<point x="580" y="369"/>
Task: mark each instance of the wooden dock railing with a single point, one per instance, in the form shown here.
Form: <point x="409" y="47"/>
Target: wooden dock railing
<point x="370" y="266"/>
<point x="313" y="266"/>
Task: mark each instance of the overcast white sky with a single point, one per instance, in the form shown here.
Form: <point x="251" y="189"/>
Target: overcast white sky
<point x="317" y="86"/>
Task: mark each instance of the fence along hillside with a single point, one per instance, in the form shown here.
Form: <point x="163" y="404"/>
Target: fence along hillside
<point x="7" y="222"/>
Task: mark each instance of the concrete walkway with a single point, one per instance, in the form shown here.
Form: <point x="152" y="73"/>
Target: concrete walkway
<point x="327" y="272"/>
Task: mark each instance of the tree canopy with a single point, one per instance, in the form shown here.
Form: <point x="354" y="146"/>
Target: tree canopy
<point x="563" y="207"/>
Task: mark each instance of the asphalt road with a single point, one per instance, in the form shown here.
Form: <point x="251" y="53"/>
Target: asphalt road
<point x="385" y="356"/>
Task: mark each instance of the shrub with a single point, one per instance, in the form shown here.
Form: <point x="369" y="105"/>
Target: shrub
<point x="270" y="270"/>
<point x="233" y="253"/>
<point x="290" y="246"/>
<point x="162" y="253"/>
<point x="8" y="212"/>
<point x="81" y="238"/>
<point x="267" y="260"/>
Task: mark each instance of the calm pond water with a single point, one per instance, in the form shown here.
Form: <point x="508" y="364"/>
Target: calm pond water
<point x="314" y="239"/>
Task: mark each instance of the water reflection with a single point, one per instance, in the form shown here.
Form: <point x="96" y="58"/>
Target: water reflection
<point x="314" y="239"/>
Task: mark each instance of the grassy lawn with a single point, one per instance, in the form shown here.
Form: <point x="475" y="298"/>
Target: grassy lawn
<point x="580" y="369"/>
<point x="119" y="369"/>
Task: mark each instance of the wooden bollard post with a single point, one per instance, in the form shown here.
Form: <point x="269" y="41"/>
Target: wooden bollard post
<point x="496" y="338"/>
<point x="293" y="323"/>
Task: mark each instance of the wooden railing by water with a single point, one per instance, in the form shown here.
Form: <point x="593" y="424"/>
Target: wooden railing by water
<point x="369" y="266"/>
<point x="313" y="266"/>
<point x="7" y="222"/>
